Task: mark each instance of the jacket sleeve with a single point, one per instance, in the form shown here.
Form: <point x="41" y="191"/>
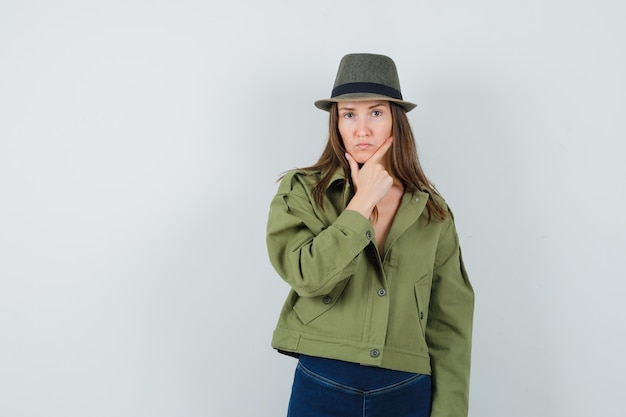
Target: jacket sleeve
<point x="311" y="256"/>
<point x="449" y="327"/>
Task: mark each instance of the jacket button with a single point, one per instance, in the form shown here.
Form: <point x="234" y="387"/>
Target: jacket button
<point x="368" y="235"/>
<point x="374" y="353"/>
<point x="382" y="292"/>
<point x="327" y="299"/>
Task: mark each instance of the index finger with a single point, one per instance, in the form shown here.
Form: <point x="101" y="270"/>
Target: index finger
<point x="380" y="152"/>
<point x="354" y="166"/>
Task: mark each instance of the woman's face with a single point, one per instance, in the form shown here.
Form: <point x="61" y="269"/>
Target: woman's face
<point x="364" y="126"/>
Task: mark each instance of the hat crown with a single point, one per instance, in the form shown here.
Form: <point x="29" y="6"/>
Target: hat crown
<point x="367" y="68"/>
<point x="365" y="77"/>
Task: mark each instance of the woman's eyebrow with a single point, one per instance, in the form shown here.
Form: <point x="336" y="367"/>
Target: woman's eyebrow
<point x="369" y="108"/>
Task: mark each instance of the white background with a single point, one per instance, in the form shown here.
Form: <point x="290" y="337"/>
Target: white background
<point x="140" y="142"/>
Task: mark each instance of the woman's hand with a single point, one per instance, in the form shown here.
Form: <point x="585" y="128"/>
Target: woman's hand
<point x="372" y="182"/>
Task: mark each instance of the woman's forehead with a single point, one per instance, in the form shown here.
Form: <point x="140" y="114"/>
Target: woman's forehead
<point x="370" y="104"/>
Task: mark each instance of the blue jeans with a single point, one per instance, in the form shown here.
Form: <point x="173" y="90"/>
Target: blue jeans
<point x="331" y="388"/>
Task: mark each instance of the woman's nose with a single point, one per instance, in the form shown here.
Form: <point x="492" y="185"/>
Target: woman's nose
<point x="362" y="128"/>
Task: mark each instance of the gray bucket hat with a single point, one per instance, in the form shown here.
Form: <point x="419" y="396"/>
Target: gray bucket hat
<point x="365" y="77"/>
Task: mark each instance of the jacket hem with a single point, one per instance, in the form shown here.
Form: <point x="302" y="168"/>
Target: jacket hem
<point x="295" y="343"/>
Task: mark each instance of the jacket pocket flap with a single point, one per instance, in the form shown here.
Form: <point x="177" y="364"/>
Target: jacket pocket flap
<point x="309" y="308"/>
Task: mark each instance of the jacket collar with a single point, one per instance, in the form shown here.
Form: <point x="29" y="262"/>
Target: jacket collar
<point x="410" y="194"/>
<point x="338" y="175"/>
<point x="338" y="179"/>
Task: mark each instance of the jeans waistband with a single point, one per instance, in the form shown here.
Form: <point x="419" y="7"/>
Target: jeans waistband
<point x="365" y="378"/>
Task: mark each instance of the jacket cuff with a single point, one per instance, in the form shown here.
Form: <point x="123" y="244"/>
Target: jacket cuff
<point x="354" y="223"/>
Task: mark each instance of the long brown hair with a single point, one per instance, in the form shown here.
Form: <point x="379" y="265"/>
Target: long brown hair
<point x="403" y="162"/>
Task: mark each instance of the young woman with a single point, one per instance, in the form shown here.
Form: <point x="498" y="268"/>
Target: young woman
<point x="380" y="308"/>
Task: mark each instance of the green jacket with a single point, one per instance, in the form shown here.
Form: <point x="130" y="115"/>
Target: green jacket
<point x="408" y="307"/>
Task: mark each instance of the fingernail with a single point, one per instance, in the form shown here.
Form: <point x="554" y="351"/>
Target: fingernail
<point x="346" y="155"/>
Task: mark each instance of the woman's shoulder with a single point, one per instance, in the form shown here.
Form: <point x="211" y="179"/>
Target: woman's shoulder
<point x="439" y="199"/>
<point x="299" y="179"/>
<point x="441" y="204"/>
<point x="434" y="195"/>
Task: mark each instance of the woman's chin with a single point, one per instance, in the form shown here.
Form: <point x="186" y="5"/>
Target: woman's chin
<point x="362" y="157"/>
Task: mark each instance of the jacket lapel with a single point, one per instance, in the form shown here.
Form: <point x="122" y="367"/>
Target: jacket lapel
<point x="411" y="208"/>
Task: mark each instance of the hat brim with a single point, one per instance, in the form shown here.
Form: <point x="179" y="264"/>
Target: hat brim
<point x="325" y="104"/>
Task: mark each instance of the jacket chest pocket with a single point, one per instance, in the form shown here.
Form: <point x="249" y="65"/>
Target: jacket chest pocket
<point x="422" y="297"/>
<point x="310" y="308"/>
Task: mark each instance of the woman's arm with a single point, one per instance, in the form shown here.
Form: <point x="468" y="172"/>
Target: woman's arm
<point x="312" y="257"/>
<point x="449" y="328"/>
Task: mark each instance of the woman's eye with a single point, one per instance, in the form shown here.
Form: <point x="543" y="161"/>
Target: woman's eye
<point x="348" y="115"/>
<point x="376" y="113"/>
